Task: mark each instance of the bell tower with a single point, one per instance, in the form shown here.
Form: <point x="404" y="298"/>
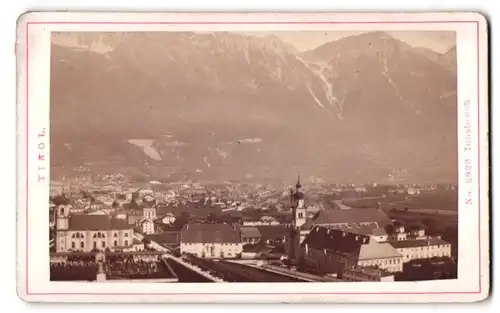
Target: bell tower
<point x="62" y="217"/>
<point x="299" y="217"/>
<point x="62" y="225"/>
<point x="298" y="206"/>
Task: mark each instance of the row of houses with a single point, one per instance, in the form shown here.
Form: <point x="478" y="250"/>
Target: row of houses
<point x="331" y="250"/>
<point x="99" y="231"/>
<point x="348" y="239"/>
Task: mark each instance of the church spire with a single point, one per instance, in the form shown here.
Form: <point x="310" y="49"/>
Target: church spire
<point x="298" y="185"/>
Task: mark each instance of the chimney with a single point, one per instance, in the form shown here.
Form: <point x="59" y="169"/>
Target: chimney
<point x="379" y="205"/>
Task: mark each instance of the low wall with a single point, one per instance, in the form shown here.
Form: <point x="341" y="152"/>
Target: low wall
<point x="194" y="268"/>
<point x="305" y="276"/>
<point x="249" y="255"/>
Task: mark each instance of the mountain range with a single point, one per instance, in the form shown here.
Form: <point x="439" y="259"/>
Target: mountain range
<point x="185" y="105"/>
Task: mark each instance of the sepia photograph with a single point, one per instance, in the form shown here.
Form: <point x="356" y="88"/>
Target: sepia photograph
<point x="253" y="157"/>
<point x="256" y="152"/>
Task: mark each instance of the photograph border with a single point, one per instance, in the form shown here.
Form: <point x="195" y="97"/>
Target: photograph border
<point x="480" y="143"/>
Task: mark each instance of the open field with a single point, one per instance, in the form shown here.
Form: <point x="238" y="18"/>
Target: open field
<point x="437" y="200"/>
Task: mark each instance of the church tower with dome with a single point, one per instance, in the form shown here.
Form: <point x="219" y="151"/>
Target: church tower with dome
<point x="299" y="218"/>
<point x="299" y="210"/>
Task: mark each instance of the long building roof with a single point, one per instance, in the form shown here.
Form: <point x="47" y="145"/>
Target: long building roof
<point x="210" y="233"/>
<point x="352" y="216"/>
<point x="83" y="222"/>
<point x="354" y="246"/>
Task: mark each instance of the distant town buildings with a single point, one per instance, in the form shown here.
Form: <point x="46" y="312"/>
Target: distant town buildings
<point x="149" y="212"/>
<point x="168" y="219"/>
<point x="263" y="221"/>
<point x="147" y="225"/>
<point x="316" y="233"/>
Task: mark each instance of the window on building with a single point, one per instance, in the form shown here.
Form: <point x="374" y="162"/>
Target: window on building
<point x="95" y="244"/>
<point x="125" y="235"/>
<point x="126" y="242"/>
<point x="82" y="244"/>
<point x="73" y="245"/>
<point x="103" y="244"/>
<point x="115" y="235"/>
<point x="115" y="243"/>
<point x="301" y="215"/>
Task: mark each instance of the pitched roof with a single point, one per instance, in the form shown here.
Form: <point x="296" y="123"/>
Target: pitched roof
<point x="354" y="246"/>
<point x="274" y="231"/>
<point x="250" y="232"/>
<point x="210" y="233"/>
<point x="322" y="238"/>
<point x="375" y="250"/>
<point x="400" y="244"/>
<point x="96" y="222"/>
<point x="349" y="216"/>
<point x="379" y="231"/>
<point x="354" y="228"/>
<point x="168" y="237"/>
<point x="145" y="220"/>
<point x="132" y="219"/>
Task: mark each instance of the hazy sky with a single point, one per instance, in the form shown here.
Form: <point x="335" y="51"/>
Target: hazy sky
<point x="436" y="40"/>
